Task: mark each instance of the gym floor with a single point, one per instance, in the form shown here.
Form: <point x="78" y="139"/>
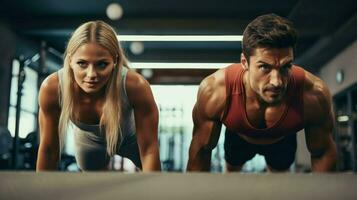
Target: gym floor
<point x="111" y="185"/>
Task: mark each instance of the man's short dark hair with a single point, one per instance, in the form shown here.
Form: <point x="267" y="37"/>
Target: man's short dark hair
<point x="268" y="31"/>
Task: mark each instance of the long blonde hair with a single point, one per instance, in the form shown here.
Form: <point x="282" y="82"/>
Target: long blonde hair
<point x="104" y="35"/>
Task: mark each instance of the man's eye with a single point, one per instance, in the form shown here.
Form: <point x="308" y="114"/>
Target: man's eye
<point x="264" y="67"/>
<point x="286" y="68"/>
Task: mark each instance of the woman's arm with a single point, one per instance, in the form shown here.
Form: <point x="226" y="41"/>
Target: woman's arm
<point x="146" y="120"/>
<point x="49" y="112"/>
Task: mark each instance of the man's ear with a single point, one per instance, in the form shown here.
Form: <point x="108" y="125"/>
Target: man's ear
<point x="243" y="61"/>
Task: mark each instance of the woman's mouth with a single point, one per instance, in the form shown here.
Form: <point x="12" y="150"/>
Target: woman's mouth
<point x="91" y="83"/>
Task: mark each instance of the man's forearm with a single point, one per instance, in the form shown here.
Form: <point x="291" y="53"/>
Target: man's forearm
<point x="199" y="161"/>
<point x="326" y="162"/>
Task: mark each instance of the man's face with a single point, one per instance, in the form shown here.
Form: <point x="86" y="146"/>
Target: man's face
<point x="268" y="72"/>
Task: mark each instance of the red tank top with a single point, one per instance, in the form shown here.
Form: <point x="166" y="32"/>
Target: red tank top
<point x="235" y="116"/>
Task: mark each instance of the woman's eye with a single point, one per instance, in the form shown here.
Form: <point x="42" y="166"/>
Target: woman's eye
<point x="102" y="64"/>
<point x="81" y="64"/>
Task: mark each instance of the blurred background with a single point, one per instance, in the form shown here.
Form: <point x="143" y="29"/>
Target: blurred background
<point x="196" y="38"/>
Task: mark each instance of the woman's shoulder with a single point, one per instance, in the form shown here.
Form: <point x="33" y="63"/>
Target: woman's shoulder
<point x="135" y="82"/>
<point x="137" y="87"/>
<point x="49" y="92"/>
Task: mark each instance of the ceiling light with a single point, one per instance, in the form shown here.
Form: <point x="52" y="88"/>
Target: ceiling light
<point x="152" y="65"/>
<point x="193" y="38"/>
<point x="147" y="73"/>
<point x="137" y="48"/>
<point x="114" y="11"/>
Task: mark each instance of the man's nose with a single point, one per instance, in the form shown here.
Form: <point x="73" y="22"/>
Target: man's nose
<point x="276" y="78"/>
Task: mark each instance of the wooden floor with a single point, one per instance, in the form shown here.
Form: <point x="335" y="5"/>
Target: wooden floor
<point x="169" y="186"/>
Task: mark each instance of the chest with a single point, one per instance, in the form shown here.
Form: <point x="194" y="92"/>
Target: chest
<point x="264" y="117"/>
<point x="88" y="112"/>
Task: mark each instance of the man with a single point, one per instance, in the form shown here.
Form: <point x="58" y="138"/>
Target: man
<point x="263" y="101"/>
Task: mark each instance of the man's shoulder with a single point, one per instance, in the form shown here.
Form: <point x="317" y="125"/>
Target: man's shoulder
<point x="214" y="80"/>
<point x="212" y="94"/>
<point x="218" y="78"/>
<point x="314" y="85"/>
<point x="317" y="98"/>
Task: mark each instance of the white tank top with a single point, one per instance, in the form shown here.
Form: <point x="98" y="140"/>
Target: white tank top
<point x="90" y="144"/>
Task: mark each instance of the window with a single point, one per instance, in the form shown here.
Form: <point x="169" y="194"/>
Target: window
<point x="28" y="102"/>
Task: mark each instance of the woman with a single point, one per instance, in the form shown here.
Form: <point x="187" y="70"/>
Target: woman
<point x="111" y="108"/>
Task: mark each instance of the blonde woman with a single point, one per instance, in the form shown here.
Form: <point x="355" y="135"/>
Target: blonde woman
<point x="111" y="108"/>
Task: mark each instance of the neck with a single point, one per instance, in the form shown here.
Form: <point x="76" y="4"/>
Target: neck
<point x="89" y="97"/>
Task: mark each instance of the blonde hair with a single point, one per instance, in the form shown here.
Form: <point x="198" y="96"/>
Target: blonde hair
<point x="104" y="35"/>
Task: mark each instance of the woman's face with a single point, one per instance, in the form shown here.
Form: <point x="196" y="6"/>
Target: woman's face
<point x="92" y="66"/>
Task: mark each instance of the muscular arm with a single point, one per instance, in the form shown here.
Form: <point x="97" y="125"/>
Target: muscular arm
<point x="146" y="120"/>
<point x="49" y="111"/>
<point x="207" y="126"/>
<point x="319" y="125"/>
